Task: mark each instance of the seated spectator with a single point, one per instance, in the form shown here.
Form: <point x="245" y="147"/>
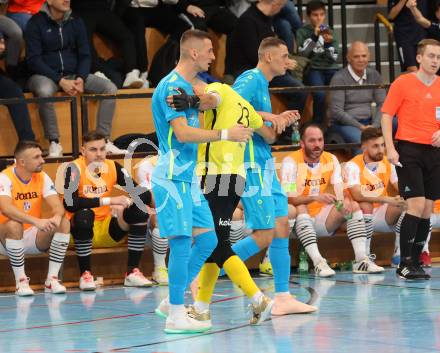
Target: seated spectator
<point x="13" y="35"/>
<point x="286" y="23"/>
<point x="350" y="110"/>
<point x="98" y="17"/>
<point x="160" y="14"/>
<point x="433" y="27"/>
<point x="58" y="56"/>
<point x="317" y="42"/>
<point x="407" y="33"/>
<point x="21" y="11"/>
<point x="9" y="89"/>
<point x="213" y="14"/>
<point x="252" y="27"/>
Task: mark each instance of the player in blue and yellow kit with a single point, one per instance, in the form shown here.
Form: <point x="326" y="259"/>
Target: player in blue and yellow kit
<point x="266" y="210"/>
<point x="182" y="210"/>
<point x="222" y="170"/>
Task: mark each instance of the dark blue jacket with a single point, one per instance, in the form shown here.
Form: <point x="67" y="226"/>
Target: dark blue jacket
<point x="57" y="50"/>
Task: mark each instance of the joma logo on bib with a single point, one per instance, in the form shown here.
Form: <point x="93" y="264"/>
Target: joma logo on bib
<point x="26" y="196"/>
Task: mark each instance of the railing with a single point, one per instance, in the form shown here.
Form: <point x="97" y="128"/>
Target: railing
<point x="73" y="113"/>
<point x="86" y="97"/>
<point x="85" y="111"/>
<point x="378" y="20"/>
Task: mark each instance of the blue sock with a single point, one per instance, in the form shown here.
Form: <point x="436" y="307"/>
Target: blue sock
<point x="204" y="245"/>
<point x="246" y="248"/>
<point x="180" y="250"/>
<point x="280" y="259"/>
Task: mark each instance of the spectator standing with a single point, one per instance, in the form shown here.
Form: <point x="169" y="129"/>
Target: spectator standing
<point x="407" y="32"/>
<point x="318" y="42"/>
<point x="98" y="17"/>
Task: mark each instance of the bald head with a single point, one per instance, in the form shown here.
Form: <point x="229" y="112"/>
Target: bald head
<point x="358" y="56"/>
<point x="357" y="46"/>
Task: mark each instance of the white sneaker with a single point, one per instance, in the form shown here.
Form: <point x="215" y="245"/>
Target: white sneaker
<point x="55" y="149"/>
<point x="87" y="282"/>
<point x="23" y="289"/>
<point x="163" y="309"/>
<point x="137" y="279"/>
<point x="101" y="75"/>
<point x="367" y="265"/>
<point x="261" y="312"/>
<point x="144" y="77"/>
<point x="54" y="286"/>
<point x="132" y="80"/>
<point x="160" y="276"/>
<point x="112" y="149"/>
<point x="323" y="269"/>
<point x="204" y="315"/>
<point x="186" y="325"/>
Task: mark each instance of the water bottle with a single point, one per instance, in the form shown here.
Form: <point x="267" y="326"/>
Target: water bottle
<point x="303" y="267"/>
<point x="295" y="134"/>
<point x="339" y="205"/>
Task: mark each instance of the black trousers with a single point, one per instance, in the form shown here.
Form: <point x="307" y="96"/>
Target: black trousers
<point x="163" y="17"/>
<point x="221" y="20"/>
<point x="223" y="194"/>
<point x="112" y="27"/>
<point x="19" y="112"/>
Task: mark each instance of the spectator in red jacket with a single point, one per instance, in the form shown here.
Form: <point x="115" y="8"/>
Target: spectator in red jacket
<point x="22" y="10"/>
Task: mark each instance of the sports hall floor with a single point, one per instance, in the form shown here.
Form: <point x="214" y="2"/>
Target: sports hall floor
<point x="357" y="313"/>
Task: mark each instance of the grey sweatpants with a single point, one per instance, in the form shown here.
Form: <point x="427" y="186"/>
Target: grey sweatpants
<point x="42" y="86"/>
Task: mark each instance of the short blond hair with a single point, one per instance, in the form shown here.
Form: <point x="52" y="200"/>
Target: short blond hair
<point x="421" y="46"/>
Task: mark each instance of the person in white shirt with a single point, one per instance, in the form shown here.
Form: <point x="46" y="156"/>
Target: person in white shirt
<point x="159" y="245"/>
<point x="306" y="176"/>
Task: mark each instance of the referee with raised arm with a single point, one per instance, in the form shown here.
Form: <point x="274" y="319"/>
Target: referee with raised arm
<point x="415" y="98"/>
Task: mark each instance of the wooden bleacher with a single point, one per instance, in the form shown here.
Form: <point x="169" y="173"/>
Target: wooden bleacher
<point x="134" y="116"/>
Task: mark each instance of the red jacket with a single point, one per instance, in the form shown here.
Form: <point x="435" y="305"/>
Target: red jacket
<point x="26" y="6"/>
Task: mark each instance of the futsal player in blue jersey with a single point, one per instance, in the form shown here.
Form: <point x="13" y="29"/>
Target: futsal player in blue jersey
<point x="182" y="210"/>
<point x="266" y="205"/>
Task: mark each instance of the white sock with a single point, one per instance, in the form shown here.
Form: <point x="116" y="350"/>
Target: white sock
<point x="237" y="231"/>
<point x="257" y="297"/>
<point x="177" y="312"/>
<point x="57" y="252"/>
<point x="426" y="246"/>
<point x="282" y="293"/>
<point x="291" y="225"/>
<point x="357" y="236"/>
<point x="201" y="306"/>
<point x="397" y="233"/>
<point x="15" y="250"/>
<point x="368" y="220"/>
<point x="307" y="235"/>
<point x="160" y="247"/>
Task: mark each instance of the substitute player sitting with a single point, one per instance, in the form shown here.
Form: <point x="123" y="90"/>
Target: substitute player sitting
<point x="96" y="216"/>
<point x="306" y="175"/>
<point x="367" y="177"/>
<point x="23" y="230"/>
